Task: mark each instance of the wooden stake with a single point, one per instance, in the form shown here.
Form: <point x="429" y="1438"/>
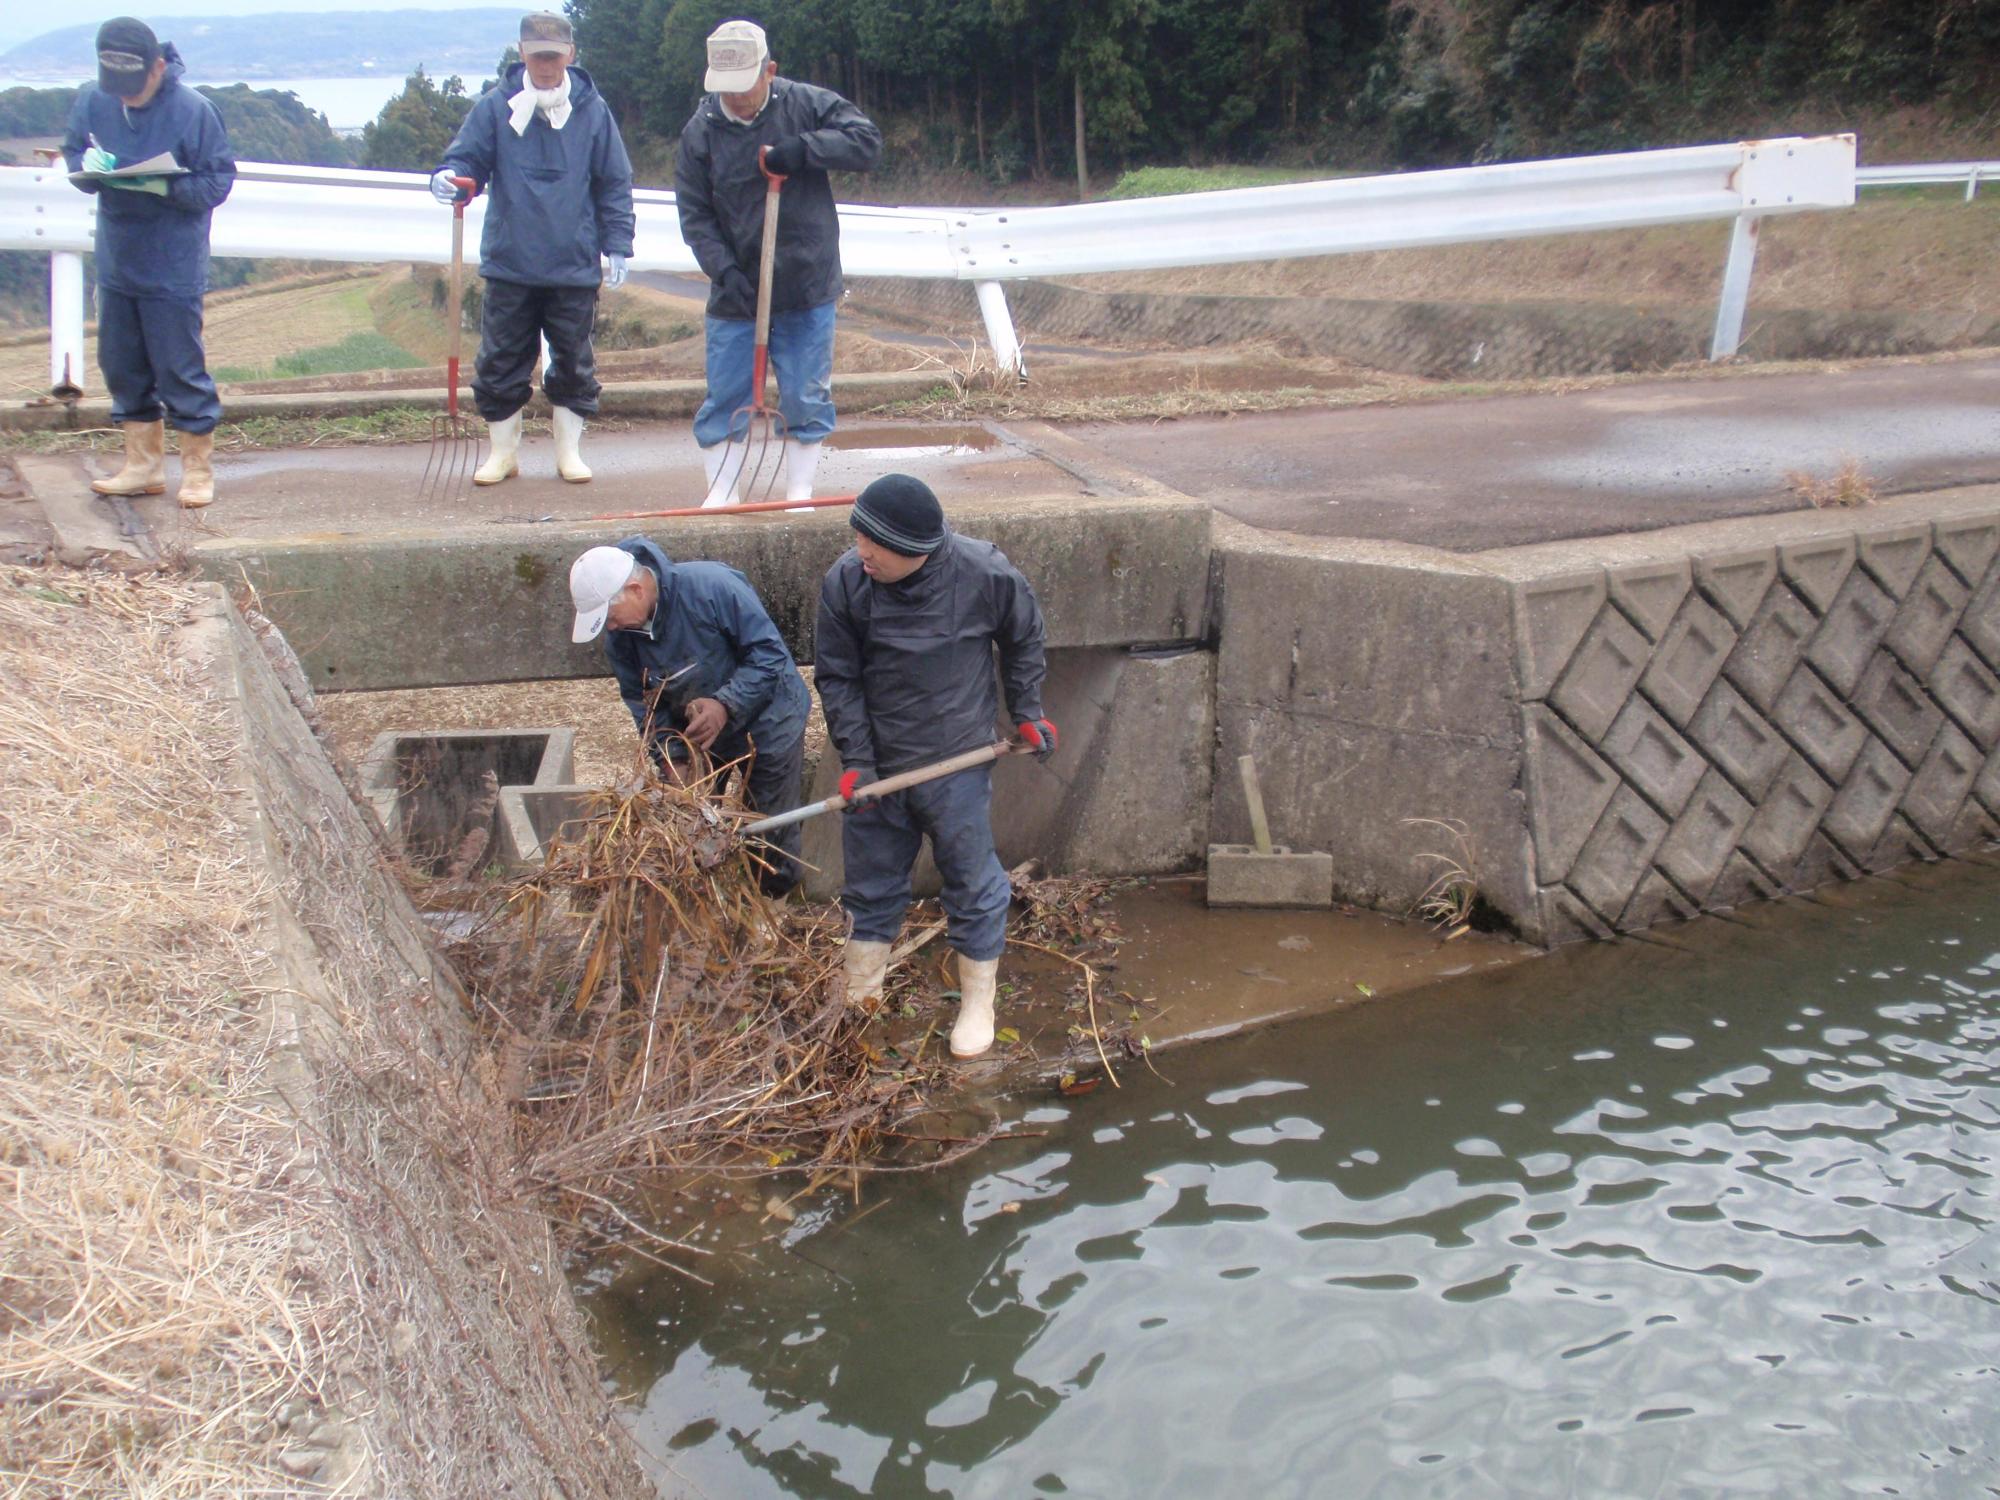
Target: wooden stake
<point x="1260" y="826"/>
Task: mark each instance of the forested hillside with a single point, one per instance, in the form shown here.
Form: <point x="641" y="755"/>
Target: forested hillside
<point x="1010" y="87"/>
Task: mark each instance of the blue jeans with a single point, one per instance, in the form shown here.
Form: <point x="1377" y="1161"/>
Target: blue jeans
<point x="149" y="349"/>
<point x="880" y="841"/>
<point x="802" y="356"/>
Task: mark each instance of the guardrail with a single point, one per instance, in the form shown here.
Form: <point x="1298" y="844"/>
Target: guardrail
<point x="1924" y="173"/>
<point x="323" y="213"/>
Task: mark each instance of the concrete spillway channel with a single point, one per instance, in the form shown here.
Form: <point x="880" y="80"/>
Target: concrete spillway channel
<point x="1627" y="730"/>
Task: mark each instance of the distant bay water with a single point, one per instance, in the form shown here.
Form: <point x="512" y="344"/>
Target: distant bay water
<point x="347" y="103"/>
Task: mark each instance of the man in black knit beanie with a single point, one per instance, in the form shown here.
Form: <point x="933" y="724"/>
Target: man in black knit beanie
<point x="909" y="622"/>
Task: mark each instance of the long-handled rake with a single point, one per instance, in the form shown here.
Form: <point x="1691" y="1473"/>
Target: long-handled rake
<point x="761" y="459"/>
<point x="454" y="444"/>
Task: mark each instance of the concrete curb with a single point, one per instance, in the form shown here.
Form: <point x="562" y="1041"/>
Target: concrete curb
<point x="637" y="400"/>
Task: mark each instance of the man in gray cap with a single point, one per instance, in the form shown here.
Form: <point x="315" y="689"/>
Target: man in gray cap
<point x="909" y="624"/>
<point x="544" y="148"/>
<point x="720" y="191"/>
<point x="152" y="252"/>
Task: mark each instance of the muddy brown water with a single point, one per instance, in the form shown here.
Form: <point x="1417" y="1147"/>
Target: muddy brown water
<point x="1709" y="1213"/>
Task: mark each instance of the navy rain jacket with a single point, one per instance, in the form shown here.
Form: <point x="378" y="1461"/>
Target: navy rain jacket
<point x="905" y="670"/>
<point x="708" y="617"/>
<point x="149" y="246"/>
<point x="556" y="199"/>
<point x="720" y="190"/>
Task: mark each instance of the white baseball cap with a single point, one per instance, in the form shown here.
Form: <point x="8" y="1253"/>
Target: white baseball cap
<point x="736" y="55"/>
<point x="594" y="581"/>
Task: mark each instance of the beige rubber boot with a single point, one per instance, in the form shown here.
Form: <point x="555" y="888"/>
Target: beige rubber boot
<point x="723" y="463"/>
<point x="972" y="1034"/>
<point x="501" y="463"/>
<point x="801" y="462"/>
<point x="867" y="968"/>
<point x="197" y="470"/>
<point x="569" y="446"/>
<point x="145" y="471"/>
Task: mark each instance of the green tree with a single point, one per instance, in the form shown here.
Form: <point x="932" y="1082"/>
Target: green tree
<point x="415" y="128"/>
<point x="267" y="125"/>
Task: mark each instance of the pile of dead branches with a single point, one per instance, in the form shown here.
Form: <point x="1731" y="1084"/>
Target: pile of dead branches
<point x="649" y="1008"/>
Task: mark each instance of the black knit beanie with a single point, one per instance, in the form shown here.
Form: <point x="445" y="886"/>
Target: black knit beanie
<point x="900" y="513"/>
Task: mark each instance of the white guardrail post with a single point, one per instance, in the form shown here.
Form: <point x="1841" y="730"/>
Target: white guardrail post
<point x="338" y="214"/>
<point x="66" y="371"/>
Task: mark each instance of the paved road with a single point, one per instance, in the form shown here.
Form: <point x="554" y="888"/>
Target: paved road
<point x="1473" y="475"/>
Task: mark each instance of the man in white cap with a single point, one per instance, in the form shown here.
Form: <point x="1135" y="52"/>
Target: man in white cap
<point x="545" y="149"/>
<point x="719" y="187"/>
<point x="703" y="669"/>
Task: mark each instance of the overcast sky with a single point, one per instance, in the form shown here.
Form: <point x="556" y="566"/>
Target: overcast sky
<point x="21" y="22"/>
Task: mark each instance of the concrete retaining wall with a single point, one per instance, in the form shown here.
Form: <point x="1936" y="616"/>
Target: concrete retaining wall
<point x="1441" y="340"/>
<point x="1628" y="729"/>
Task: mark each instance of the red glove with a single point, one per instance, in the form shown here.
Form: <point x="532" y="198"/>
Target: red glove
<point x="850" y="781"/>
<point x="1040" y="736"/>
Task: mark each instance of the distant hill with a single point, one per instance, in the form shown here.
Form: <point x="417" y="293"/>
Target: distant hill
<point x="326" y="44"/>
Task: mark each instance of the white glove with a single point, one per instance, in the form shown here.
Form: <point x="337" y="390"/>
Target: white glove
<point x="97" y="159"/>
<point x="614" y="273"/>
<point x="444" y="186"/>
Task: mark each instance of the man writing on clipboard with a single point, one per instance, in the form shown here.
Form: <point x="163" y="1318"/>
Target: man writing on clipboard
<point x="152" y="251"/>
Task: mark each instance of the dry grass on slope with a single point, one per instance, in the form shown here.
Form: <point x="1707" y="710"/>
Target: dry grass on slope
<point x="149" y="1323"/>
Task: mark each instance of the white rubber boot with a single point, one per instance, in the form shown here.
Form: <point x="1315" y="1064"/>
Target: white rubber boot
<point x="723" y="464"/>
<point x="973" y="1032"/>
<point x="867" y="968"/>
<point x="801" y="461"/>
<point x="505" y="438"/>
<point x="145" y="469"/>
<point x="569" y="445"/>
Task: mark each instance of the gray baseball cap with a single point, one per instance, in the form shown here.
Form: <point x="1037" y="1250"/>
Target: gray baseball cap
<point x="546" y="31"/>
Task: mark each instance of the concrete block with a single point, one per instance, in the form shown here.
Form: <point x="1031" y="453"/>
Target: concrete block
<point x="1569" y="786"/>
<point x="1895" y="706"/>
<point x="1975" y="829"/>
<point x="1601" y="675"/>
<point x="1772" y="646"/>
<point x="1788" y="817"/>
<point x="1240" y="876"/>
<point x="492" y="604"/>
<point x="1896" y="555"/>
<point x="1852" y="626"/>
<point x="1867" y="799"/>
<point x="1138" y="800"/>
<point x="1742" y="881"/>
<point x="1969" y="693"/>
<point x="1617" y="855"/>
<point x="1737" y="581"/>
<point x="1654" y="902"/>
<point x="1987" y="787"/>
<point x="1980" y="624"/>
<point x="1563" y="918"/>
<point x="1969" y="544"/>
<point x="1818" y="567"/>
<point x="1705" y="835"/>
<point x="1820" y="724"/>
<point x="1687" y="659"/>
<point x="1927" y="616"/>
<point x="1821" y="864"/>
<point x="1552" y="615"/>
<point x="1733" y="735"/>
<point x="1943" y="783"/>
<point x="1650" y="754"/>
<point x="418" y="782"/>
<point x="534" y="817"/>
<point x="1899" y="845"/>
<point x="1650" y="594"/>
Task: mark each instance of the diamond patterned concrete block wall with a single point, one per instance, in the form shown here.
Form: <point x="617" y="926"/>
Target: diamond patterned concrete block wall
<point x="1759" y="719"/>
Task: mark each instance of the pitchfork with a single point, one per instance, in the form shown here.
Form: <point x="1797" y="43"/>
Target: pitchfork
<point x="454" y="445"/>
<point x="762" y="458"/>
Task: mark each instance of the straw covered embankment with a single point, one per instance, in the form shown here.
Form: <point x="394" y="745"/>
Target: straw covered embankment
<point x="263" y="1229"/>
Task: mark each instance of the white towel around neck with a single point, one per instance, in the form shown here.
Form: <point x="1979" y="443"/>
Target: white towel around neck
<point x="553" y="103"/>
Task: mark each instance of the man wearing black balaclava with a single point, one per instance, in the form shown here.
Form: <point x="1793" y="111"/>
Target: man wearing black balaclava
<point x="909" y="622"/>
